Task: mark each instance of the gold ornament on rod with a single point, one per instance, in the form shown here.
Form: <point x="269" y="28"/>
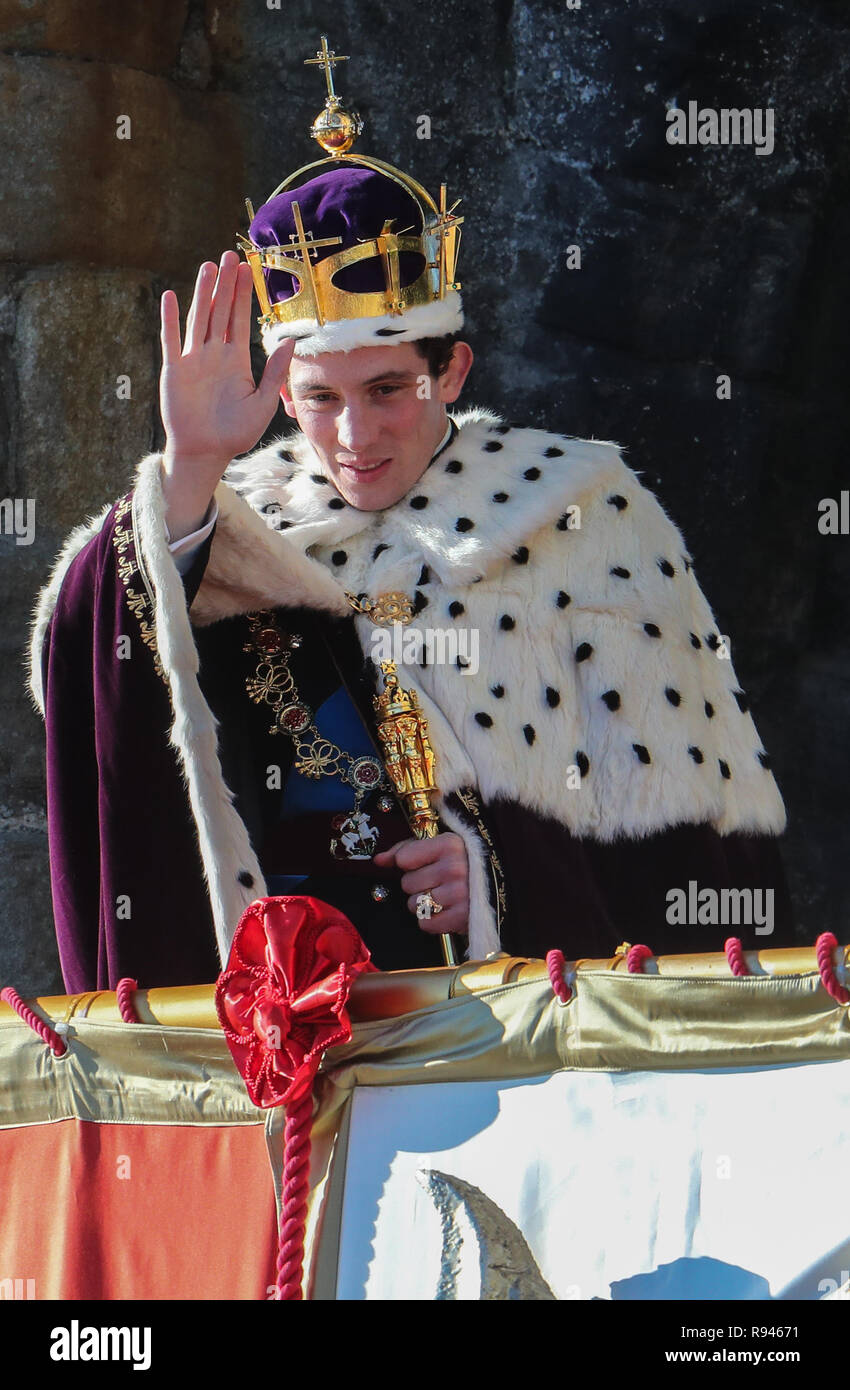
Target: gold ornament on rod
<point x="409" y="761"/>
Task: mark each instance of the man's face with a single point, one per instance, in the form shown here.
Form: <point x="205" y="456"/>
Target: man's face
<point x="374" y="416"/>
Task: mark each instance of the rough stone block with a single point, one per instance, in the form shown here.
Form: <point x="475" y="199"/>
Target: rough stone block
<point x="136" y="33"/>
<point x="79" y="333"/>
<point x="74" y="192"/>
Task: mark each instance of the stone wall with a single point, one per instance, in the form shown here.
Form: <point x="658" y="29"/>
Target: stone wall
<point x="696" y="262"/>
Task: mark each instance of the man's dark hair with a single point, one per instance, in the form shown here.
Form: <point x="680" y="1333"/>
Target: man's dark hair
<point x="437" y="352"/>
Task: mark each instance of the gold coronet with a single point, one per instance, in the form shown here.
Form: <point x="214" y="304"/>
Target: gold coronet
<point x="317" y="298"/>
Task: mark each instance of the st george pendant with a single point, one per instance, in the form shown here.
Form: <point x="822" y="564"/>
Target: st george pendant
<point x="357" y="836"/>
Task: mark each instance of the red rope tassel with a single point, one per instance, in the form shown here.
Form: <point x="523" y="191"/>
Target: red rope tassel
<point x="44" y="1030"/>
<point x="555" y="964"/>
<point x="295" y="1188"/>
<point x="824" y="947"/>
<point x="282" y="1003"/>
<point x="735" y="956"/>
<point x="125" y="990"/>
<point x="635" y="959"/>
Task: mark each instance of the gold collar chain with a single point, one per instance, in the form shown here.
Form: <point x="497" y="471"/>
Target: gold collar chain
<point x="272" y="684"/>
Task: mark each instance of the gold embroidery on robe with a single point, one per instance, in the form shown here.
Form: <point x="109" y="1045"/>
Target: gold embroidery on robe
<point x="473" y="808"/>
<point x="140" y="604"/>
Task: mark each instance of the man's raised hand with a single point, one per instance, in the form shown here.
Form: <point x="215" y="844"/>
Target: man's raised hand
<point x="211" y="407"/>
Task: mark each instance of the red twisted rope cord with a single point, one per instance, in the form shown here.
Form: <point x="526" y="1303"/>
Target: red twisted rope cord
<point x="44" y="1030"/>
<point x="824" y="947"/>
<point x="555" y="964"/>
<point x="635" y="959"/>
<point x="293" y="1207"/>
<point x="735" y="956"/>
<point x="124" y="991"/>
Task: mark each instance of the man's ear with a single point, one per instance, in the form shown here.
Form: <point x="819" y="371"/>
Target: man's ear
<point x="451" y="382"/>
<point x="288" y="403"/>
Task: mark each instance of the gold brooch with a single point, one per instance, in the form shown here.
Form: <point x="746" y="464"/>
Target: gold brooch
<point x="393" y="607"/>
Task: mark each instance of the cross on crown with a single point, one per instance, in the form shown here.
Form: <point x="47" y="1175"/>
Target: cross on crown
<point x="327" y="59"/>
<point x="306" y="242"/>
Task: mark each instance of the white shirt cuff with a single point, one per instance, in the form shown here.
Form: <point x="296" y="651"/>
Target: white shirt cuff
<point x="184" y="550"/>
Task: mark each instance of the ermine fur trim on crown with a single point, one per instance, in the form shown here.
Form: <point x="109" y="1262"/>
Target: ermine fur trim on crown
<point x="385" y="330"/>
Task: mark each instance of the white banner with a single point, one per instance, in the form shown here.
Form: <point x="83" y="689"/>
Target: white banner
<point x="578" y="1185"/>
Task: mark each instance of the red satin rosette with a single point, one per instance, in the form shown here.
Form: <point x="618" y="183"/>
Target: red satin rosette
<point x="282" y="1000"/>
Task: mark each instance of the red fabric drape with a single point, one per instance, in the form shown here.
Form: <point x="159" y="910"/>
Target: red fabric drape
<point x="127" y="1211"/>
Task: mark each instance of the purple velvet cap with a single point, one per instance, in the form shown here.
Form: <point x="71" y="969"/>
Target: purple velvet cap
<point x="349" y="202"/>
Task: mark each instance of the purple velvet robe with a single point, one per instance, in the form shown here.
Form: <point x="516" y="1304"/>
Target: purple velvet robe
<point x="119" y="822"/>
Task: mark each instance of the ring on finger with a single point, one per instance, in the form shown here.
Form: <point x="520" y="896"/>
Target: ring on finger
<point x="427" y="906"/>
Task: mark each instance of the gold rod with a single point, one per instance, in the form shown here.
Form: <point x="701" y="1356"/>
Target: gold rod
<point x="392" y="993"/>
